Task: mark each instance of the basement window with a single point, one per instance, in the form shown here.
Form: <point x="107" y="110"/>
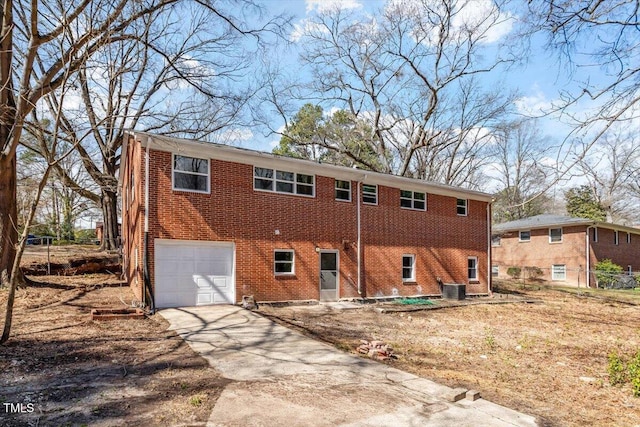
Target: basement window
<point x="283" y="261"/>
<point x="558" y="272"/>
<point x="190" y="174"/>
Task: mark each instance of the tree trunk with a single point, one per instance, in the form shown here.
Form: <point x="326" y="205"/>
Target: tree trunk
<point x="8" y="217"/>
<point x="111" y="232"/>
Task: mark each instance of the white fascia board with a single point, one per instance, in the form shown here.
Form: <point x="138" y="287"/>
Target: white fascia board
<point x="269" y="160"/>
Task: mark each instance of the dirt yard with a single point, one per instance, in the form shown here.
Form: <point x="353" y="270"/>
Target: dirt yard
<point x="65" y="369"/>
<point x="548" y="358"/>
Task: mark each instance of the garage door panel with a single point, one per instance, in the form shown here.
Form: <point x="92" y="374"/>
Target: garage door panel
<point x="193" y="273"/>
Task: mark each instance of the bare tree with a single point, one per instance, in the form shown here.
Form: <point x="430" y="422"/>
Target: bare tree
<point x="519" y="153"/>
<point x="610" y="170"/>
<point x="41" y="46"/>
<point x="408" y="71"/>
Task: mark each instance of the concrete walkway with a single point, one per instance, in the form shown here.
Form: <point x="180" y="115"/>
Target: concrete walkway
<point x="282" y="378"/>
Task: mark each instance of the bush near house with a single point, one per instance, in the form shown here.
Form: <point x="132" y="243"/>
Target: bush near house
<point x="514" y="272"/>
<point x="532" y="272"/>
<point x="607" y="273"/>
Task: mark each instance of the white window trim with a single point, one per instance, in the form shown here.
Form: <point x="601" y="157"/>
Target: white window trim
<point x="553" y="272"/>
<point x="412" y="199"/>
<point x="616" y="237"/>
<point x="561" y="235"/>
<point x="475" y="268"/>
<point x="335" y="188"/>
<point x="520" y="235"/>
<point x="293" y="262"/>
<point x="275" y="181"/>
<point x="495" y="245"/>
<point x="376" y="194"/>
<point x="466" y="207"/>
<point x="495" y="268"/>
<point x="173" y="174"/>
<point x="413" y="268"/>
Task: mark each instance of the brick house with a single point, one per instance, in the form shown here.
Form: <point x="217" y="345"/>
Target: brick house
<point x="205" y="223"/>
<point x="563" y="248"/>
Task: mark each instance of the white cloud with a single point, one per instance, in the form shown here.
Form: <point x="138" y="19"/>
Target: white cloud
<point x="322" y="6"/>
<point x="536" y="104"/>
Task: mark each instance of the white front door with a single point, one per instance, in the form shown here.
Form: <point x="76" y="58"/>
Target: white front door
<point x="189" y="273"/>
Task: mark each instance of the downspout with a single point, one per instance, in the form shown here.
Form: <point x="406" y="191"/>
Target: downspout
<point x="489" y="276"/>
<point x="587" y="246"/>
<point x="358" y="226"/>
<point x="145" y="254"/>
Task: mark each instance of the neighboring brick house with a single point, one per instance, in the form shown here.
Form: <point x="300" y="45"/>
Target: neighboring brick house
<point x="206" y="223"/>
<point x="564" y="248"/>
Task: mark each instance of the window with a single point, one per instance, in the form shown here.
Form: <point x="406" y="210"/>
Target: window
<point x="525" y="236"/>
<point x="265" y="179"/>
<point x="558" y="272"/>
<point x="413" y="200"/>
<point x="191" y="174"/>
<point x="370" y="194"/>
<point x="594" y="234"/>
<point x="283" y="261"/>
<point x="472" y="268"/>
<point x="616" y="239"/>
<point x="461" y="207"/>
<point x="495" y="270"/>
<point x="343" y="190"/>
<point x="555" y="235"/>
<point x="408" y="268"/>
<point x="496" y="240"/>
<point x="628" y="238"/>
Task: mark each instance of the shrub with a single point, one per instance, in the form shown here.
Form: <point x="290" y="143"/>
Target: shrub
<point x="633" y="372"/>
<point x="514" y="272"/>
<point x="607" y="272"/>
<point x="617" y="369"/>
<point x="533" y="272"/>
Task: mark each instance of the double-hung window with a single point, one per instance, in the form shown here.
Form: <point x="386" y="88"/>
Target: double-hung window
<point x="265" y="179"/>
<point x="616" y="237"/>
<point x="461" y="207"/>
<point x="413" y="200"/>
<point x="343" y="190"/>
<point x="283" y="261"/>
<point x="408" y="268"/>
<point x="370" y="194"/>
<point x="558" y="272"/>
<point x="190" y="174"/>
<point x="555" y="235"/>
<point x="472" y="268"/>
<point x="525" y="236"/>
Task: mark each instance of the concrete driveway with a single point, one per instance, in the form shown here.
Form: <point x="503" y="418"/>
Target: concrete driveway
<point x="282" y="378"/>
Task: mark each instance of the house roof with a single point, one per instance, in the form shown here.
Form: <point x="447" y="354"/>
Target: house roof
<point x="263" y="159"/>
<point x="549" y="220"/>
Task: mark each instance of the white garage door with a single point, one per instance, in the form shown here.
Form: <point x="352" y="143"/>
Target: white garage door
<point x="189" y="273"/>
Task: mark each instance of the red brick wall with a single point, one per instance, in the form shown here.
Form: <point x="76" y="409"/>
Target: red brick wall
<point x="233" y="211"/>
<point x="623" y="254"/>
<point x="540" y="253"/>
<point x="132" y="216"/>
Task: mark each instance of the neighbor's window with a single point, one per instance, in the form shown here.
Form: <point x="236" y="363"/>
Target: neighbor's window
<point x="495" y="270"/>
<point x="496" y="239"/>
<point x="190" y="173"/>
<point x="594" y="234"/>
<point x="343" y="190"/>
<point x="472" y="268"/>
<point x="283" y="261"/>
<point x="413" y="200"/>
<point x="408" y="268"/>
<point x="558" y="272"/>
<point x="461" y="207"/>
<point x="525" y="236"/>
<point x="265" y="179"/>
<point x="370" y="194"/>
<point x="616" y="239"/>
<point x="555" y="235"/>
